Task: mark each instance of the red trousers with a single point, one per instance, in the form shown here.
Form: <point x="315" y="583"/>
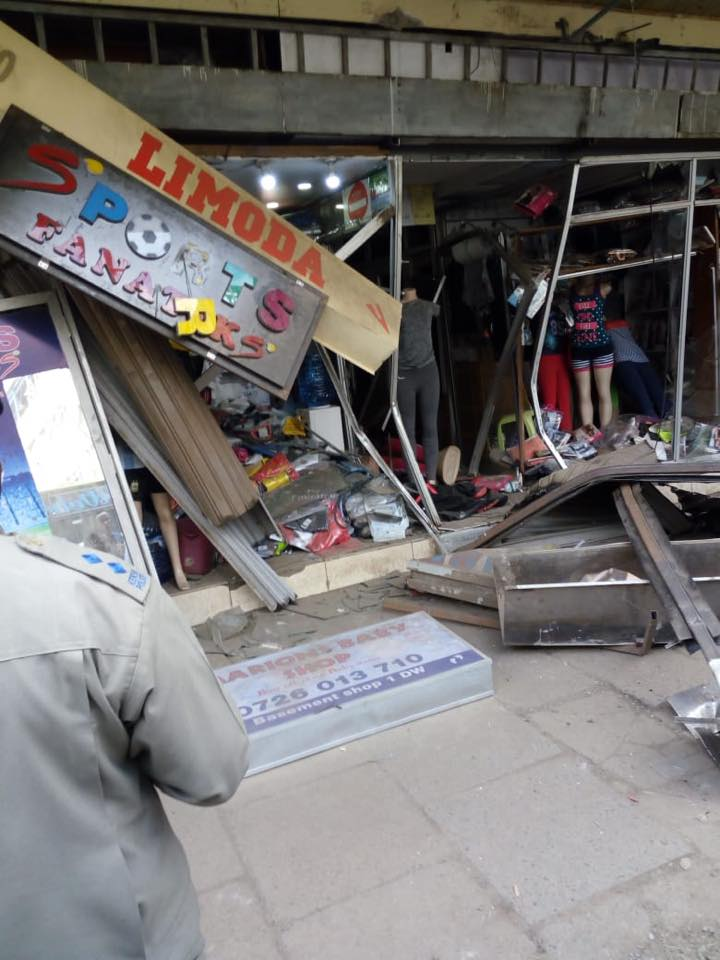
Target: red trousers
<point x="555" y="388"/>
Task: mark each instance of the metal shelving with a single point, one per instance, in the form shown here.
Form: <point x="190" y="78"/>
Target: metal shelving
<point x="627" y="213"/>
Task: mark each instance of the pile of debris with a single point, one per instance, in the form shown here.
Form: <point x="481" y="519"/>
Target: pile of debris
<point x="656" y="583"/>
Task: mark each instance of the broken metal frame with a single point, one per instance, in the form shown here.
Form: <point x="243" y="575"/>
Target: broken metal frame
<point x="689" y="612"/>
<point x="408" y="447"/>
<point x="343" y="253"/>
<point x="688" y="207"/>
<point x="374" y="452"/>
<point x="652" y="472"/>
<point x="53" y="299"/>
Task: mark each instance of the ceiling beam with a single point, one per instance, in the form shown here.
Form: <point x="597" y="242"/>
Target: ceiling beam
<point x="514" y="18"/>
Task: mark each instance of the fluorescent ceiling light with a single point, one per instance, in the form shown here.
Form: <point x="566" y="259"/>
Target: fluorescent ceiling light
<point x="304" y="185"/>
<point x="268" y="181"/>
<point x="339" y="206"/>
<point x="272" y="205"/>
<point x="332" y="181"/>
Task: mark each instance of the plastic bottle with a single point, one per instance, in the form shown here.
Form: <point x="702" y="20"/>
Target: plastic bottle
<point x="313" y="385"/>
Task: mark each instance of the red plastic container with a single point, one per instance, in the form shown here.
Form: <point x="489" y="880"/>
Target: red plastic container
<point x="197" y="554"/>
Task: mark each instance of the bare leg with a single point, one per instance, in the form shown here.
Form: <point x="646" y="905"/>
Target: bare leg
<point x="168" y="528"/>
<point x="603" y="376"/>
<point x="582" y="382"/>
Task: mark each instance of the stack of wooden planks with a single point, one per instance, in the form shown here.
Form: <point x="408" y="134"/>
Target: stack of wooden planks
<point x="457" y="587"/>
<point x="176" y="415"/>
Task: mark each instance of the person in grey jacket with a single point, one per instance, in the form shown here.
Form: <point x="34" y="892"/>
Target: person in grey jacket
<point x="105" y="695"/>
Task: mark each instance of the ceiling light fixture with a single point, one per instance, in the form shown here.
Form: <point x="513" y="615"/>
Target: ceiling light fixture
<point x="268" y="181"/>
<point x="339" y="206"/>
<point x="332" y="181"/>
<point x="272" y="205"/>
<point x="305" y="185"/>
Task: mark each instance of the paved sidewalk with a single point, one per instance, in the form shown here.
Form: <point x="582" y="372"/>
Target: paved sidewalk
<point x="569" y="817"/>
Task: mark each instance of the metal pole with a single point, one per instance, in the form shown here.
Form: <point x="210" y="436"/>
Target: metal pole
<point x="345" y="251"/>
<point x="374" y="453"/>
<point x="343" y="377"/>
<point x="716" y="340"/>
<point x="682" y="329"/>
<point x="408" y="445"/>
<point x="546" y="316"/>
<point x="506" y="356"/>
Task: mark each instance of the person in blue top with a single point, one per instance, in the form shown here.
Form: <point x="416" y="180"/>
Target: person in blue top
<point x="591" y="347"/>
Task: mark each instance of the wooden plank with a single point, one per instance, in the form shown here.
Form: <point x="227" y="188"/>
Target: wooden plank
<point x="178" y="418"/>
<point x="452" y="610"/>
<point x="443" y="587"/>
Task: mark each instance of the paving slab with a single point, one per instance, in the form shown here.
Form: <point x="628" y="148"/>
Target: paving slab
<point x="331" y="839"/>
<point x="553" y="835"/>
<point x="614" y="928"/>
<point x="466" y="747"/>
<point x="234" y="926"/>
<point x="438" y="913"/>
<point x="690" y="806"/>
<point x="207" y="843"/>
<point x="526" y="679"/>
<point x="642" y="746"/>
<point x="650" y="679"/>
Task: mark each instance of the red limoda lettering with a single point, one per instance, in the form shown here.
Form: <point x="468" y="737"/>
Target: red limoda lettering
<point x="276" y="311"/>
<point x="140" y="163"/>
<point x="257" y="343"/>
<point x="142" y="285"/>
<point x="115" y="267"/>
<point x="176" y="184"/>
<point x="310" y="265"/>
<point x="206" y="192"/>
<point x="249" y="222"/>
<point x="45" y="228"/>
<point x="55" y="159"/>
<point x="280" y="243"/>
<point x="74" y="248"/>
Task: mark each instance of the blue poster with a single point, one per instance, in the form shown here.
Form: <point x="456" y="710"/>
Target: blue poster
<point x="52" y="477"/>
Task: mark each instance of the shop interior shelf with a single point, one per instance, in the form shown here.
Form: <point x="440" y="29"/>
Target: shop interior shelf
<point x="570" y="273"/>
<point x="626" y="213"/>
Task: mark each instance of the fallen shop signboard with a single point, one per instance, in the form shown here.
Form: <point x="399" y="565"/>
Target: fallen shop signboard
<point x="93" y="225"/>
<point x="326" y="692"/>
<point x="359" y="321"/>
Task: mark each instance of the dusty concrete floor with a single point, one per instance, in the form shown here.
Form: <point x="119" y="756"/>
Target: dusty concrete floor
<point x="568" y="817"/>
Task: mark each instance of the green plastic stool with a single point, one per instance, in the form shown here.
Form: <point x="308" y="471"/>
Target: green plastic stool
<point x="528" y="420"/>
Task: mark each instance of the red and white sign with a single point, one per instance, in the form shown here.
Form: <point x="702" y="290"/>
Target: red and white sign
<point x="356" y="201"/>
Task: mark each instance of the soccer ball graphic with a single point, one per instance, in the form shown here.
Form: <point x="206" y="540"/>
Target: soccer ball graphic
<point x="148" y="236"/>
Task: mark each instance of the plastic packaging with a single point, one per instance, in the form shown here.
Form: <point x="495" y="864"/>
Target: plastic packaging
<point x="317" y="527"/>
<point x="377" y="510"/>
<point x="276" y="472"/>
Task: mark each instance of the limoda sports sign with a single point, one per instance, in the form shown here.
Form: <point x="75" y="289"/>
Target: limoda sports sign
<point x="359" y="320"/>
<point x="93" y="223"/>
